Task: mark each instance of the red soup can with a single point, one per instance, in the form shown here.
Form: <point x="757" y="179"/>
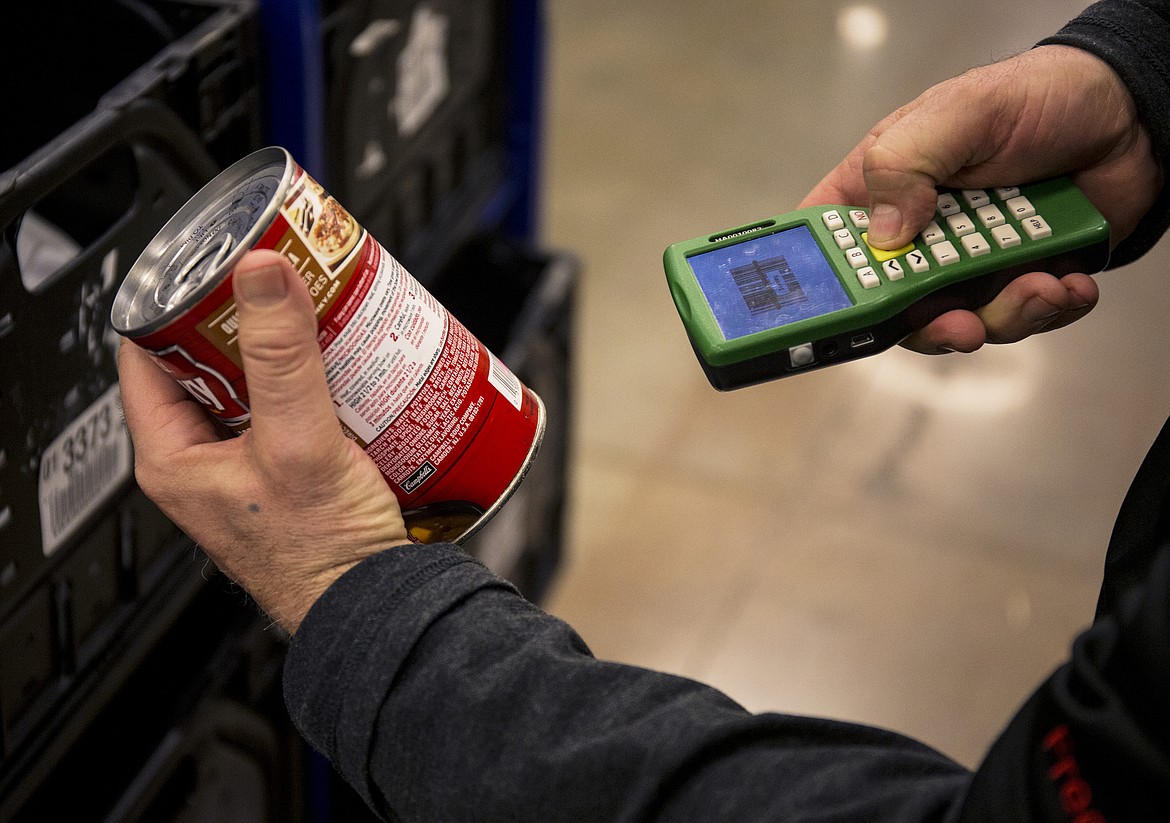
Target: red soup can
<point x="451" y="428"/>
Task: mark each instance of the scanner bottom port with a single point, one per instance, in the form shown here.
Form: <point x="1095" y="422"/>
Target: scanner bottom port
<point x="861" y="340"/>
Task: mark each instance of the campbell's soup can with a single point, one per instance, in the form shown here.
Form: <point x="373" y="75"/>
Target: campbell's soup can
<point x="451" y="428"/>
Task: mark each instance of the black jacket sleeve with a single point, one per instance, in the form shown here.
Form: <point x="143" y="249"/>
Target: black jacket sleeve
<point x="1133" y="36"/>
<point x="1093" y="743"/>
<point x="440" y="694"/>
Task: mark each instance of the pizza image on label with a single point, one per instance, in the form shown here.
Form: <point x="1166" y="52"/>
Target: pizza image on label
<point x="334" y="232"/>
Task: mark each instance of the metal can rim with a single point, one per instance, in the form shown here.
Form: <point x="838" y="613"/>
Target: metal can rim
<point x="122" y="315"/>
<point x="521" y="473"/>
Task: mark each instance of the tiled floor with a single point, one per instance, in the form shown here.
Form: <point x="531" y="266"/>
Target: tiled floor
<point x="906" y="541"/>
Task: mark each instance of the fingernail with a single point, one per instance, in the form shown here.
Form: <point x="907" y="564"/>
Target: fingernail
<point x="885" y="221"/>
<point x="260" y="287"/>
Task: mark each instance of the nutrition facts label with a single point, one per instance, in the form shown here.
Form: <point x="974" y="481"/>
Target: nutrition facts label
<point x="436" y="420"/>
<point x="401" y="372"/>
<point x="390" y="335"/>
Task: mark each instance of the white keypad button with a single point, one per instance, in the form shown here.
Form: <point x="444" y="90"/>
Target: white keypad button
<point x="1036" y="228"/>
<point x="990" y="216"/>
<point x="918" y="262"/>
<point x="976" y="245"/>
<point x="856" y="258"/>
<point x="832" y="220"/>
<point x="868" y="278"/>
<point x="1020" y="207"/>
<point x="932" y="234"/>
<point x="859" y="218"/>
<point x="944" y="253"/>
<point x="960" y="224"/>
<point x="976" y="197"/>
<point x="948" y="205"/>
<point x="844" y="238"/>
<point x="1005" y="236"/>
<point x="1007" y="192"/>
<point x="893" y="270"/>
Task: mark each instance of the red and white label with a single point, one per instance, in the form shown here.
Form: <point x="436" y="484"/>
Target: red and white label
<point x="379" y="359"/>
<point x="442" y="418"/>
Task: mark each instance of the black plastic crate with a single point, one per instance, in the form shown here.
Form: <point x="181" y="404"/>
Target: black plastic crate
<point x="125" y="108"/>
<point x="63" y="451"/>
<point x="416" y="120"/>
<point x="198" y="57"/>
<point x="74" y="214"/>
<point x="198" y="731"/>
<point x="75" y="531"/>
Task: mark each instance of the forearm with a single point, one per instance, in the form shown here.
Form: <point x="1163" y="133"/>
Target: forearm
<point x="441" y="694"/>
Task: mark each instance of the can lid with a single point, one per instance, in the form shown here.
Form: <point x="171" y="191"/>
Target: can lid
<point x="200" y="245"/>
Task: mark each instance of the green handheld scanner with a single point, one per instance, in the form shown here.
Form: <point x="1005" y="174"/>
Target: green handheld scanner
<point x="804" y="290"/>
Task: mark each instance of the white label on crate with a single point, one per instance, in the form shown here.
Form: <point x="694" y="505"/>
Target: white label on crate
<point x="83" y="466"/>
<point x="42" y="250"/>
<point x="423" y="80"/>
<point x="504" y="381"/>
<point x="371" y="38"/>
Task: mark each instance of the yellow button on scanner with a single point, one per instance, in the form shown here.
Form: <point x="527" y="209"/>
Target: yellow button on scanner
<point x="882" y="255"/>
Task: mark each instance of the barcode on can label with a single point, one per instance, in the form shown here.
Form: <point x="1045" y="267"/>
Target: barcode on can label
<point x="505" y="382"/>
<point x="82" y="468"/>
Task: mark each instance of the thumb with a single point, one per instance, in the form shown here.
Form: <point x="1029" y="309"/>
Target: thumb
<point x="925" y="145"/>
<point x="282" y="361"/>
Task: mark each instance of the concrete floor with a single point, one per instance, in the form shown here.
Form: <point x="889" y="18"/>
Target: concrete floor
<point x="905" y="541"/>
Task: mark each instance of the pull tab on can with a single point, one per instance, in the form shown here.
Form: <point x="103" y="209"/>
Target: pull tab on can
<point x="170" y="292"/>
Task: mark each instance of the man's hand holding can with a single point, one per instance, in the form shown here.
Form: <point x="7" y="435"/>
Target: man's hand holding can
<point x="288" y="507"/>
